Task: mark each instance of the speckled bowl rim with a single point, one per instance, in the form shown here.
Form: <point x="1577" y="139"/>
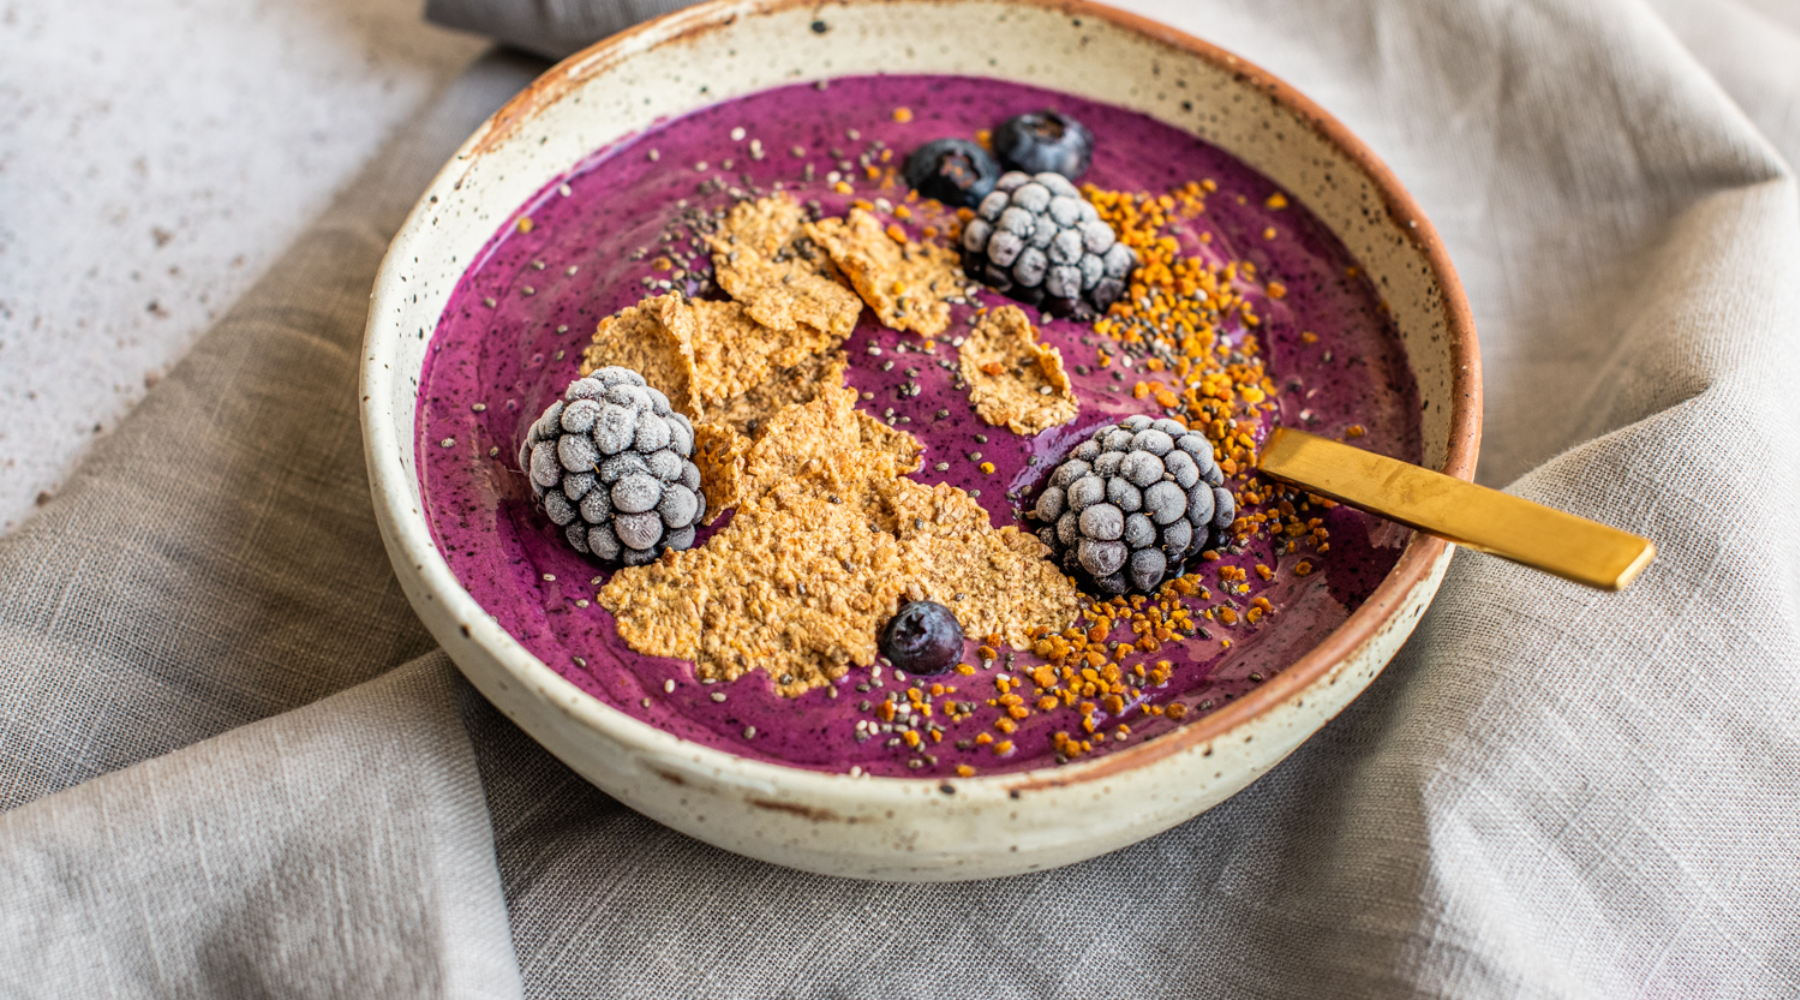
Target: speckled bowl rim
<point x="1415" y="565"/>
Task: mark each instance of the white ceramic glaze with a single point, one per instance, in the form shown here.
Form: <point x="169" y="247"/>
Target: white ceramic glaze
<point x="899" y="828"/>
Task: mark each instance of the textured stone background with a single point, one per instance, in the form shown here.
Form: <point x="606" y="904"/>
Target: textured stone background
<point x="155" y="157"/>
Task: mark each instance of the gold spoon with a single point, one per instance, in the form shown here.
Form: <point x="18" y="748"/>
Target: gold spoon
<point x="1571" y="547"/>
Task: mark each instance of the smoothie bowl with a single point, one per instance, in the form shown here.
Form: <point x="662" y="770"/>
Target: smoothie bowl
<point x="831" y="431"/>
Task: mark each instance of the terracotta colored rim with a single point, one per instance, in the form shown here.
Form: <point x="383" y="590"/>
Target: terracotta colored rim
<point x="1422" y="551"/>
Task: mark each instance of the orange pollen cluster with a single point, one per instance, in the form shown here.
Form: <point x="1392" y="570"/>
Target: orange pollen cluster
<point x="1194" y="321"/>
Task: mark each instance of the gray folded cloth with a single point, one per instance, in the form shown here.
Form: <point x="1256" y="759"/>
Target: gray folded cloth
<point x="552" y="28"/>
<point x="234" y="768"/>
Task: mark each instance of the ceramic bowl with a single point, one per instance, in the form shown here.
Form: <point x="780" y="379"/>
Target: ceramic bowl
<point x="905" y="829"/>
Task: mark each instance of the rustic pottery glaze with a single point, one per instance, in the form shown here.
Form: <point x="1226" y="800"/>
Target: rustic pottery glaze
<point x="890" y="828"/>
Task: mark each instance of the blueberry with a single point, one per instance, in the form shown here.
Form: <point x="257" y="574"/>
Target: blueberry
<point x="1044" y="141"/>
<point x="923" y="637"/>
<point x="954" y="171"/>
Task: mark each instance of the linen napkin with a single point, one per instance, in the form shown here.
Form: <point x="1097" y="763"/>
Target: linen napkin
<point x="1549" y="793"/>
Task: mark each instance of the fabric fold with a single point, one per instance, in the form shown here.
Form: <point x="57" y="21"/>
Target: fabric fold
<point x="550" y="28"/>
<point x="1550" y="792"/>
<point x="342" y="849"/>
<point x="216" y="560"/>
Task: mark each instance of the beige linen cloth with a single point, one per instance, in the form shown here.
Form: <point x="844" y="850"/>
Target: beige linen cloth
<point x="232" y="765"/>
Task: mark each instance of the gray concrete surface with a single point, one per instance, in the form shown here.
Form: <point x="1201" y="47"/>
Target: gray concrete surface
<point x="155" y="157"/>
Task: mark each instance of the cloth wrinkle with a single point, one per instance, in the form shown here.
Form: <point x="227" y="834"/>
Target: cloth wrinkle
<point x="231" y="763"/>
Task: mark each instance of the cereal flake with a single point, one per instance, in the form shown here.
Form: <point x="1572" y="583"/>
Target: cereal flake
<point x="763" y="258"/>
<point x="906" y="283"/>
<point x="1008" y="371"/>
<point x="653" y="338"/>
<point x="828" y="540"/>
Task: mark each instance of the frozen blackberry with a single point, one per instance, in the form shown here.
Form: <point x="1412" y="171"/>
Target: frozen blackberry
<point x="1037" y="240"/>
<point x="1133" y="503"/>
<point x="1044" y="141"/>
<point x="956" y="172"/>
<point x="610" y="464"/>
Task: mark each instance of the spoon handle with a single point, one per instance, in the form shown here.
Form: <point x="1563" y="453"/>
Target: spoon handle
<point x="1571" y="547"/>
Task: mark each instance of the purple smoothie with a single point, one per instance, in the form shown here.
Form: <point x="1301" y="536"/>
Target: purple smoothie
<point x="511" y="337"/>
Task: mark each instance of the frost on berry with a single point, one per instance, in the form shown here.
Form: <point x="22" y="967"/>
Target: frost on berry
<point x="579" y="416"/>
<point x="1101" y="558"/>
<point x="621" y="465"/>
<point x="610" y="464"/>
<point x="1165" y="502"/>
<point x="638" y="531"/>
<point x="1133" y="504"/>
<point x="616" y="429"/>
<point x="1102" y="522"/>
<point x="652" y="432"/>
<point x="678" y="506"/>
<point x="635" y="494"/>
<point x="576" y="485"/>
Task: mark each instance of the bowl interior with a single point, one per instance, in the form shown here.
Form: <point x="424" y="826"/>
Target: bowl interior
<point x="720" y="51"/>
